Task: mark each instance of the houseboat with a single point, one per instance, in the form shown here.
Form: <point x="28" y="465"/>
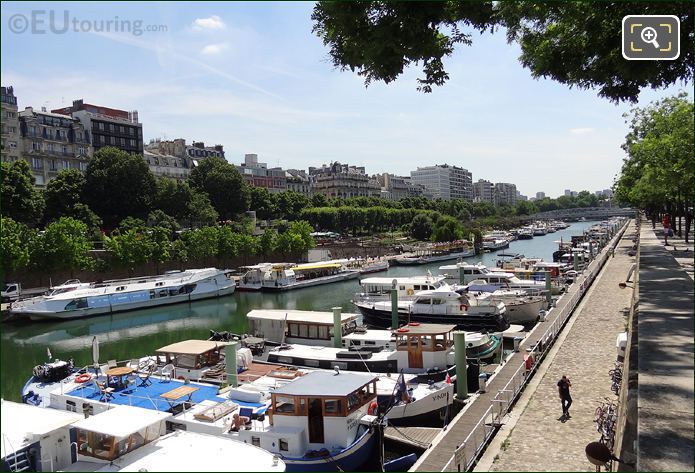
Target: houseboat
<point x="521" y="308"/>
<point x="252" y="277"/>
<point x="284" y="277"/>
<point x="379" y="289"/>
<point x="128" y="294"/>
<point x="466" y="273"/>
<point x="437" y="252"/>
<point x="439" y="306"/>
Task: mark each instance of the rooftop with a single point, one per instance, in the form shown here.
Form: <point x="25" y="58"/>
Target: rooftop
<point x="121" y="421"/>
<point x="298" y="316"/>
<point x="426" y="329"/>
<point x="191" y="347"/>
<point x="22" y="422"/>
<point x="326" y="383"/>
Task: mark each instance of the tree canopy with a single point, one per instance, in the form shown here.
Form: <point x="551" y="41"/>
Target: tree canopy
<point x="21" y="201"/>
<point x="226" y="189"/>
<point x="118" y="185"/>
<point x="576" y="43"/>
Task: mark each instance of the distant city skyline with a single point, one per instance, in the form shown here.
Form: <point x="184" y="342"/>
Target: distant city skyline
<point x="253" y="78"/>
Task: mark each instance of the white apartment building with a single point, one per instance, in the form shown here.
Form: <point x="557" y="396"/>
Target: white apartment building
<point x="443" y="181"/>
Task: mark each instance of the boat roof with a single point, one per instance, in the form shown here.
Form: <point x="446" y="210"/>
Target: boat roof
<point x="376" y="335"/>
<point x="23" y="422"/>
<point x="309" y="266"/>
<point x="121" y="421"/>
<point x="403" y="280"/>
<point x="426" y="329"/>
<point x="212" y="453"/>
<point x="298" y="316"/>
<point x="326" y="383"/>
<point x="257" y="266"/>
<point x="191" y="347"/>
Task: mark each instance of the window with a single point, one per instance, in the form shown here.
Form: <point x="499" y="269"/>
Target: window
<point x="53" y="165"/>
<point x="255" y="441"/>
<point x="83" y="166"/>
<point x="65" y="164"/>
<point x="32" y="130"/>
<point x="65" y="150"/>
<point x="313" y="331"/>
<point x="333" y="407"/>
<point x="303" y="331"/>
<point x="37" y="163"/>
<point x="122" y="129"/>
<point x="294" y="330"/>
<point x="81" y="151"/>
<point x="131" y="131"/>
<point x="79" y="136"/>
<point x="112" y="140"/>
<point x="283" y="445"/>
<point x="70" y="406"/>
<point x="100" y="125"/>
<point x="111" y="127"/>
<point x="284" y="405"/>
<point x="122" y="141"/>
<point x="48" y="132"/>
<point x="12" y="129"/>
<point x="323" y="332"/>
<point x="132" y="143"/>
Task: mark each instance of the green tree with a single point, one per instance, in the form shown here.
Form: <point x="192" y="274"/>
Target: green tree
<point x="158" y="218"/>
<point x="131" y="247"/>
<point x="161" y="245"/>
<point x="15" y="241"/>
<point x="200" y="211"/>
<point x="319" y="200"/>
<point x="267" y="242"/>
<point x="203" y="243"/>
<point x="421" y="227"/>
<point x="290" y="204"/>
<point x="524" y="207"/>
<point x="226" y="189"/>
<point x="64" y="245"/>
<point x="63" y="192"/>
<point x="263" y="202"/>
<point x="657" y="175"/>
<point x="118" y="185"/>
<point x="576" y="43"/>
<point x="447" y="229"/>
<point x="173" y="197"/>
<point x="21" y="201"/>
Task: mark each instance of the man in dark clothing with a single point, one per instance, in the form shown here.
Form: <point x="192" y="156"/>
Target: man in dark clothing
<point x="563" y="387"/>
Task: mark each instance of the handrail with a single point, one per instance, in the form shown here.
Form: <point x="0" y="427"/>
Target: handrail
<point x="548" y="337"/>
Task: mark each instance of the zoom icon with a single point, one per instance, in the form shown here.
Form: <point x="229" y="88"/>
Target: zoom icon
<point x="651" y="37"/>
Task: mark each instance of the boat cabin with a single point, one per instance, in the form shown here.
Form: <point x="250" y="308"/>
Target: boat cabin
<point x="191" y="358"/>
<point x="253" y="275"/>
<point x="425" y="344"/>
<point x="320" y="409"/>
<point x="119" y="430"/>
<point x="378" y="289"/>
<point x="298" y="326"/>
<point x="34" y="438"/>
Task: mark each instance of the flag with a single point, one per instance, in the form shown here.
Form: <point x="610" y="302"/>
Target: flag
<point x="448" y="378"/>
<point x="402" y="389"/>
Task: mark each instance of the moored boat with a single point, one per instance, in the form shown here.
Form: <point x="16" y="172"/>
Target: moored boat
<point x="128" y="294"/>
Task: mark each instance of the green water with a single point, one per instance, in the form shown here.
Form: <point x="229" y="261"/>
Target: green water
<point x="127" y="335"/>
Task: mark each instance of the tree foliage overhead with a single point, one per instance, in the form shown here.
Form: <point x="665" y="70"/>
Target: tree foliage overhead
<point x="576" y="43"/>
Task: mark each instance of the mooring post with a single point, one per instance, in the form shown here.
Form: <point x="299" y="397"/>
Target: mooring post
<point x="394" y="304"/>
<point x="461" y="369"/>
<point x="337" y="327"/>
<point x="230" y="362"/>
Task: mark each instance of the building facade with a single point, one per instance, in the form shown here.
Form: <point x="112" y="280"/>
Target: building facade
<point x="505" y="193"/>
<point x="51" y="142"/>
<point x="483" y="191"/>
<point x="10" y="144"/>
<point x="259" y="175"/>
<point x="108" y="126"/>
<point x="540" y="195"/>
<point x="298" y="181"/>
<point x="343" y="180"/>
<point x="166" y="165"/>
<point x="443" y="181"/>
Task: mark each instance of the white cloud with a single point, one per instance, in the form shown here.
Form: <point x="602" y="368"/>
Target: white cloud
<point x="208" y="24"/>
<point x="212" y="49"/>
<point x="581" y="131"/>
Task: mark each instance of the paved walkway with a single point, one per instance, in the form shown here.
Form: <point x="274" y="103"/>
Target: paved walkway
<point x="665" y="328"/>
<point x="540" y="441"/>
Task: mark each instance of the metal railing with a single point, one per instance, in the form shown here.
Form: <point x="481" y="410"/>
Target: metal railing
<point x="466" y="454"/>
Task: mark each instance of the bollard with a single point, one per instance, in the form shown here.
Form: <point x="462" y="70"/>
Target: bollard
<point x="482" y="382"/>
<point x="394" y="304"/>
<point x="574" y="259"/>
<point x="548" y="288"/>
<point x="461" y="368"/>
<point x="230" y="364"/>
<point x="461" y="275"/>
<point x="517" y="342"/>
<point x="337" y="327"/>
<point x="541" y="315"/>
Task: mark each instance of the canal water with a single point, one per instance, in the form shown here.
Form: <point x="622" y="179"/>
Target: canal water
<point x="134" y="334"/>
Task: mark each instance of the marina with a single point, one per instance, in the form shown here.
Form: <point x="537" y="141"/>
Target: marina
<point x="501" y="372"/>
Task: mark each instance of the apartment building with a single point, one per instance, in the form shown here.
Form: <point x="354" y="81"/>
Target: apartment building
<point x="443" y="181"/>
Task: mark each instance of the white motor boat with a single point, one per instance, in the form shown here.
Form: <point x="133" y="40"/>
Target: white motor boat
<point x="127" y="294"/>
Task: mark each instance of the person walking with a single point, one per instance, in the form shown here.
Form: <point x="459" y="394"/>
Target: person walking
<point x="666" y="221"/>
<point x="563" y="387"/>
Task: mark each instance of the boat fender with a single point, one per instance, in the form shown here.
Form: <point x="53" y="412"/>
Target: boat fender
<point x="182" y="378"/>
<point x="403" y="330"/>
<point x="373" y="407"/>
<point x="463" y="307"/>
<point x="414" y="324"/>
<point x="83" y="378"/>
<point x="410" y="292"/>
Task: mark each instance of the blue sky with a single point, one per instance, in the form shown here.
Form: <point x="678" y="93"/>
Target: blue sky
<point x="254" y="78"/>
